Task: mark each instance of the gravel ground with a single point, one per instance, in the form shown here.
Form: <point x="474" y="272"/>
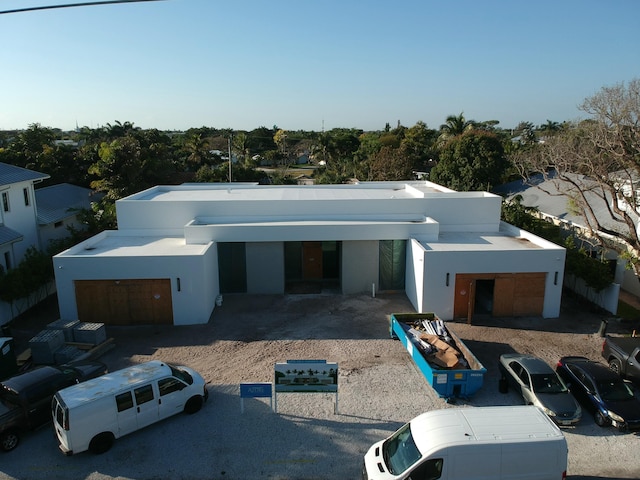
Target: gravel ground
<point x="379" y="390"/>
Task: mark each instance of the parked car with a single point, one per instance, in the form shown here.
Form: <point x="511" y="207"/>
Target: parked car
<point x="623" y="356"/>
<point x="540" y="385"/>
<point x="602" y="392"/>
<point x="25" y="399"/>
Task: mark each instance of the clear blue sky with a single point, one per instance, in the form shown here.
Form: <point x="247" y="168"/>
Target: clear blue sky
<point x="305" y="65"/>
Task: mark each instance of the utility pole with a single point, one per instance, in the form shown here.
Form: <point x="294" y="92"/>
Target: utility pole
<point x="230" y="137"/>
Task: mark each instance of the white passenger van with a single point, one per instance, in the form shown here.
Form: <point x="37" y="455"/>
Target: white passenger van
<point x="472" y="443"/>
<point x="91" y="415"/>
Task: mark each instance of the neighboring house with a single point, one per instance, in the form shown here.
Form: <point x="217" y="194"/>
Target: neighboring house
<point x="57" y="210"/>
<point x="18" y="220"/>
<point x="179" y="248"/>
<point x="32" y="217"/>
<point x="552" y="199"/>
<point x="18" y="213"/>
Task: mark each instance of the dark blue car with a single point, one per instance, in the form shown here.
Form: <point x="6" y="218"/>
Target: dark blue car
<point x="601" y="392"/>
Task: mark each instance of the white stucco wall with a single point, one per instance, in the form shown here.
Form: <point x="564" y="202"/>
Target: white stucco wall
<point x="21" y="218"/>
<point x="265" y="267"/>
<point x="439" y="298"/>
<point x="360" y="264"/>
<point x="193" y="304"/>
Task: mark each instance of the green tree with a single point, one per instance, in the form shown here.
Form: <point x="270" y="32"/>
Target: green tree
<point x="472" y="161"/>
<point x="120" y="169"/>
<point x="455" y="125"/>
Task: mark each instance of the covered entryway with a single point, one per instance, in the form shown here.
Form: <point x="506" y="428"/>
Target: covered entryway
<point x="311" y="267"/>
<point x="125" y="302"/>
<point x="499" y="294"/>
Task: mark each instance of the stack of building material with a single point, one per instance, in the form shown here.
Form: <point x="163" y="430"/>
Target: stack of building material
<point x="44" y="345"/>
<point x="66" y="326"/>
<point x="434" y="341"/>
<point x="91" y="333"/>
<point x="67" y="353"/>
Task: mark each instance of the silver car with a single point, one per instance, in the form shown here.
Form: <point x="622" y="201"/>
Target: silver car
<point x="539" y="385"/>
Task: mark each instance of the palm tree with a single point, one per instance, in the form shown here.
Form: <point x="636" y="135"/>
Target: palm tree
<point x="454" y="125"/>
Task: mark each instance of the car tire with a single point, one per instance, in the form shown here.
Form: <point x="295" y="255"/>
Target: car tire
<point x="615" y="365"/>
<point x="600" y="419"/>
<point x="193" y="405"/>
<point x="503" y="385"/>
<point x="101" y="443"/>
<point x="9" y="440"/>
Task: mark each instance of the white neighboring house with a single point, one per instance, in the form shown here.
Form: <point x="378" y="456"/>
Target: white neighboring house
<point x="18" y="220"/>
<point x="32" y="217"/>
<point x="178" y="248"/>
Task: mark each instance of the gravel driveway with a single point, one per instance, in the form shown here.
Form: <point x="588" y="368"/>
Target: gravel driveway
<point x="379" y="390"/>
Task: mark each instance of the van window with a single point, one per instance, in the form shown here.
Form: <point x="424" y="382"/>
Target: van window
<point x="143" y="394"/>
<point x="429" y="470"/>
<point x="124" y="401"/>
<point x="169" y="385"/>
<point x="400" y="451"/>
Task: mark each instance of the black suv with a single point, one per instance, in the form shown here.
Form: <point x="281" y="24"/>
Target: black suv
<point x="25" y="399"/>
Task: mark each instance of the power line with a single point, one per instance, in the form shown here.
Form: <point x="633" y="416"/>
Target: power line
<point x="67" y="5"/>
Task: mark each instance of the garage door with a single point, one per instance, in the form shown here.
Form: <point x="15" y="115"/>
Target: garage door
<point x="511" y="294"/>
<point x="125" y="302"/>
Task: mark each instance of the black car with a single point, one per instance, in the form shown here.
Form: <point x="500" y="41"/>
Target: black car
<point x="601" y="392"/>
<point x="25" y="399"/>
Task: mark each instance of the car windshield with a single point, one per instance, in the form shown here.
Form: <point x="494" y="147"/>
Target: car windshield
<point x="547" y="383"/>
<point x="614" y="390"/>
<point x="181" y="374"/>
<point x="400" y="451"/>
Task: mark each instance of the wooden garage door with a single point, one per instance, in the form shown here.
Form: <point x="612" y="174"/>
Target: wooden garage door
<point x="125" y="302"/>
<point x="514" y="294"/>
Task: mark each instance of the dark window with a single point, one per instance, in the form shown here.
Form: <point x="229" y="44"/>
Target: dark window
<point x="57" y="224"/>
<point x="25" y="192"/>
<point x="5" y="201"/>
<point x="169" y="385"/>
<point x="429" y="470"/>
<point x="143" y="394"/>
<point x="124" y="401"/>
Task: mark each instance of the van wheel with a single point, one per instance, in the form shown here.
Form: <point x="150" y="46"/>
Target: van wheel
<point x="9" y="440"/>
<point x="193" y="404"/>
<point x="600" y="419"/>
<point x="101" y="443"/>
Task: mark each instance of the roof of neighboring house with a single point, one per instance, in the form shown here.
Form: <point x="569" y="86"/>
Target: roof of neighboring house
<point x="551" y="196"/>
<point x="8" y="235"/>
<point x="11" y="174"/>
<point x="57" y="202"/>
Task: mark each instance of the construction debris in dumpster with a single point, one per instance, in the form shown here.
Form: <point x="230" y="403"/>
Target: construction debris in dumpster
<point x="432" y="338"/>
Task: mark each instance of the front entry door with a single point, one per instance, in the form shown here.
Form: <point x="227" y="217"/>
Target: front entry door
<point x="312" y="260"/>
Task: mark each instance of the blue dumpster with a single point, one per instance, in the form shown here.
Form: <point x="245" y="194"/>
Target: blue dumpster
<point x="457" y="381"/>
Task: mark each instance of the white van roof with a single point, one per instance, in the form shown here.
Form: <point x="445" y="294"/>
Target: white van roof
<point x="113" y="382"/>
<point x="467" y="425"/>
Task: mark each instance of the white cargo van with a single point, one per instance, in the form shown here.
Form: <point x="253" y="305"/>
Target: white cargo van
<point x="472" y="443"/>
<point x="91" y="415"/>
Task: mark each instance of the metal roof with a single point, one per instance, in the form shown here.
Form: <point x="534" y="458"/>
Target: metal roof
<point x="11" y="174"/>
<point x="9" y="236"/>
<point x="57" y="202"/>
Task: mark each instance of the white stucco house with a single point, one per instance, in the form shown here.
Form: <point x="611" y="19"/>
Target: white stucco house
<point x="178" y="248"/>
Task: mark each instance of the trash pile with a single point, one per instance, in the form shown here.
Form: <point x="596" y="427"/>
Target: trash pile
<point x="433" y="340"/>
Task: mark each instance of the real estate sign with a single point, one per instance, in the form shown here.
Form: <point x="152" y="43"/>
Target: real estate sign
<point x="306" y="376"/>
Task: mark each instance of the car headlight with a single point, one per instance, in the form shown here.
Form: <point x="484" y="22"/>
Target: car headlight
<point x="615" y="417"/>
<point x="550" y="413"/>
